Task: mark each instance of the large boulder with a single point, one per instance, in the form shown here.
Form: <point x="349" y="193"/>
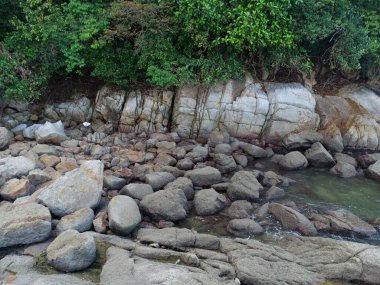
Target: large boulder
<point x="6" y="137"/>
<point x="170" y="205"/>
<point x="123" y="215"/>
<point x="109" y="104"/>
<point x="293" y="161"/>
<point x="77" y="189"/>
<point x="204" y="177"/>
<point x="11" y="167"/>
<point x="344" y="222"/>
<point x="302" y="139"/>
<point x="373" y="171"/>
<point x="80" y="221"/>
<point x="292" y="220"/>
<point x="71" y="251"/>
<point x="244" y="186"/>
<point x="158" y="180"/>
<point x="51" y="133"/>
<point x="209" y="202"/>
<point x="318" y="156"/>
<point x="23" y="224"/>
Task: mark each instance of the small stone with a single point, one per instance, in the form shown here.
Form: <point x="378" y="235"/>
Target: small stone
<point x="244" y="228"/>
<point x="240" y="209"/>
<point x="100" y="222"/>
<point x="50" y="160"/>
<point x="204" y="177"/>
<point x="158" y="180"/>
<point x="275" y="193"/>
<point x="38" y="176"/>
<point x="244" y="186"/>
<point x="15" y="188"/>
<point x="185" y="164"/>
<point x="136" y="190"/>
<point x="184" y="184"/>
<point x="113" y="183"/>
<point x="209" y="202"/>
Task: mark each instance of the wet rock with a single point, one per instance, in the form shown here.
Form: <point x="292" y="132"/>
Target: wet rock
<point x="373" y="171"/>
<point x="240" y="209"/>
<point x="11" y="167"/>
<point x="209" y="202"/>
<point x="274" y="193"/>
<point x="292" y="220"/>
<point x="170" y="205"/>
<point x="302" y="139"/>
<point x="23" y="224"/>
<point x="50" y="133"/>
<point x="77" y="189"/>
<point x="113" y="182"/>
<point x="344" y="222"/>
<point x="318" y="156"/>
<point x="271" y="178"/>
<point x="262" y="211"/>
<point x="158" y="180"/>
<point x="293" y="161"/>
<point x="244" y="228"/>
<point x="244" y="186"/>
<point x="225" y="163"/>
<point x="343" y="170"/>
<point x="254" y="150"/>
<point x="184" y="184"/>
<point x="137" y="190"/>
<point x="204" y="177"/>
<point x="15" y="188"/>
<point x="80" y="221"/>
<point x="71" y="251"/>
<point x="366" y="160"/>
<point x="6" y="137"/>
<point x="123" y="215"/>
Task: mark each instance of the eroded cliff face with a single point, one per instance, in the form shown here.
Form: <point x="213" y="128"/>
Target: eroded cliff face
<point x="265" y="112"/>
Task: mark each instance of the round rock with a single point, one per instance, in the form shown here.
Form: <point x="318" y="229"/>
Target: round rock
<point x="209" y="202"/>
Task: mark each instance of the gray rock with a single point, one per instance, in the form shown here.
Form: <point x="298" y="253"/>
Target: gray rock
<point x="38" y="176"/>
<point x="19" y="129"/>
<point x="344" y="222"/>
<point x="373" y="171"/>
<point x="41" y="149"/>
<point x="240" y="209"/>
<point x="225" y="163"/>
<point x="244" y="228"/>
<point x="218" y="137"/>
<point x="50" y="133"/>
<point x="366" y="160"/>
<point x="345" y="158"/>
<point x="223" y="148"/>
<point x="343" y="170"/>
<point x="198" y="154"/>
<point x="100" y="222"/>
<point x="302" y="139"/>
<point x="244" y="186"/>
<point x="241" y="159"/>
<point x="204" y="177"/>
<point x="293" y="161"/>
<point x="274" y="193"/>
<point x="318" y="156"/>
<point x="123" y="215"/>
<point x="120" y="266"/>
<point x="71" y="251"/>
<point x="292" y="220"/>
<point x="113" y="183"/>
<point x="6" y="137"/>
<point x="15" y="188"/>
<point x="209" y="202"/>
<point x="80" y="221"/>
<point x="169" y="205"/>
<point x="11" y="167"/>
<point x="77" y="189"/>
<point x="185" y="164"/>
<point x="254" y="150"/>
<point x="136" y="190"/>
<point x="158" y="180"/>
<point x="30" y="132"/>
<point x="23" y="224"/>
<point x="184" y="184"/>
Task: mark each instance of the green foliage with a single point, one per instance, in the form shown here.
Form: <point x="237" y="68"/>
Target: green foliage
<point x="170" y="43"/>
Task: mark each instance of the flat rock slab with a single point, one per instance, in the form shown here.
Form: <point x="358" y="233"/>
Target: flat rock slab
<point x="23" y="224"/>
<point x="77" y="189"/>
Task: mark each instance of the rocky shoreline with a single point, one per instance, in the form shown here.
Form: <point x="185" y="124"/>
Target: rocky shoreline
<point x="80" y="193"/>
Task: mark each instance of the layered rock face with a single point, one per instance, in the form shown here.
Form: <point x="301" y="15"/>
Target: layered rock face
<point x="245" y="109"/>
